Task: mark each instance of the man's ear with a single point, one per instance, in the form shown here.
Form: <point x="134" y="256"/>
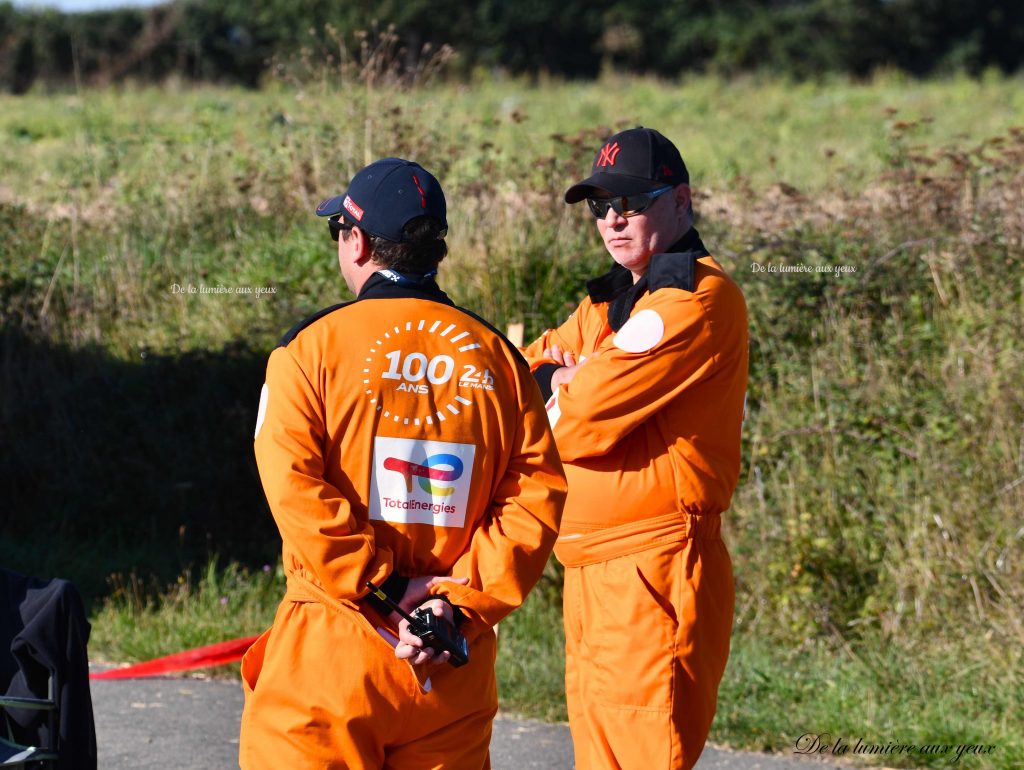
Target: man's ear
<point x="360" y="246"/>
<point x="682" y="194"/>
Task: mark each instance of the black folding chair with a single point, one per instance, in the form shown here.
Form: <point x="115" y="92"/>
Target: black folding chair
<point x="46" y="718"/>
<point x="15" y="754"/>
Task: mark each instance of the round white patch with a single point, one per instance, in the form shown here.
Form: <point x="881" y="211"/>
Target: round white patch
<point x="262" y="411"/>
<point x="640" y="333"/>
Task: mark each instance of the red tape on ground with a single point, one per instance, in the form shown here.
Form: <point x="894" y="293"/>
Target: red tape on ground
<point x="200" y="657"/>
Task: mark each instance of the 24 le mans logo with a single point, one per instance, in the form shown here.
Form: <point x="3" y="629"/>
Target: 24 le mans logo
<point x="416" y="481"/>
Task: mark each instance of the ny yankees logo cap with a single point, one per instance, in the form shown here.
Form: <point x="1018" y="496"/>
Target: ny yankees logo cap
<point x="633" y="161"/>
<point x="383" y="197"/>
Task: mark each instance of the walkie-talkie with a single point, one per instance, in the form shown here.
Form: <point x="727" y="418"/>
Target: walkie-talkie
<point x="437" y="633"/>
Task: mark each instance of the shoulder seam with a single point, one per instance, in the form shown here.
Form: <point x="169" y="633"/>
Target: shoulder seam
<point x="305" y="375"/>
<point x="292" y="333"/>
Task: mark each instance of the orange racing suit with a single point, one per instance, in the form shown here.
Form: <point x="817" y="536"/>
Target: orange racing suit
<point x="397" y="436"/>
<point x="649" y="431"/>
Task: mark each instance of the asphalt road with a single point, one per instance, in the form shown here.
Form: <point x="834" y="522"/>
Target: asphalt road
<point x="192" y="724"/>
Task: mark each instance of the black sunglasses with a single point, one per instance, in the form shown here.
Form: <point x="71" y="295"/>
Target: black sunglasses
<point x="336" y="225"/>
<point x="625" y="205"/>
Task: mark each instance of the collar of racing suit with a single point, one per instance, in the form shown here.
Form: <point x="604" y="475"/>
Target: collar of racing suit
<point x="408" y="286"/>
<point x="671" y="269"/>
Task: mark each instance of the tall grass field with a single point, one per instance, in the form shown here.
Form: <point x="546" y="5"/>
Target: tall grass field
<point x="156" y="242"/>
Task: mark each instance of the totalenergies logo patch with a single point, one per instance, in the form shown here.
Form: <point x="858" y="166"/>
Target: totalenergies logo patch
<point x="438" y="468"/>
<point x="421" y="481"/>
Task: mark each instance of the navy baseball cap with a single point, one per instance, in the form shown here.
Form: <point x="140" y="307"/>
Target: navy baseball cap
<point x="634" y="161"/>
<point x="383" y="197"/>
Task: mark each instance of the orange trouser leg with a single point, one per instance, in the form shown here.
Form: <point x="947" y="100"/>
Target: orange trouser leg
<point x="647" y="639"/>
<point x="324" y="690"/>
<point x="462" y="744"/>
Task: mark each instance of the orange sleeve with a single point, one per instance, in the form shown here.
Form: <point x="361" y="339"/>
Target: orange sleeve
<point x="627" y="382"/>
<point x="315" y="520"/>
<point x="511" y="546"/>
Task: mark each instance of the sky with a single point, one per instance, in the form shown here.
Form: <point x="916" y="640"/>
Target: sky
<point x="72" y="6"/>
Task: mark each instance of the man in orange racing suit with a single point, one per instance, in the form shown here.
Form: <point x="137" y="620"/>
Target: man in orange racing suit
<point x="400" y="440"/>
<point x="648" y="378"/>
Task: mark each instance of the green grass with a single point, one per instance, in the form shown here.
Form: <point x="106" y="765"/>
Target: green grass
<point x="141" y="622"/>
<point x="764" y="130"/>
<point x="131" y="192"/>
<point x="876" y="693"/>
<point x="531" y="654"/>
<point x="877" y="527"/>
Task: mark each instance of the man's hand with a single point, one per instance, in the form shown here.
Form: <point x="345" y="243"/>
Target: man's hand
<point x="418" y="591"/>
<point x="410" y="647"/>
<point x="568" y="368"/>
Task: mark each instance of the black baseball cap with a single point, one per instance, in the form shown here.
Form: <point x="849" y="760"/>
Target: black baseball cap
<point x="383" y="197"/>
<point x="634" y="161"/>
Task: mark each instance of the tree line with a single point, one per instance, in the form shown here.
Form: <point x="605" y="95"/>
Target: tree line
<point x="231" y="41"/>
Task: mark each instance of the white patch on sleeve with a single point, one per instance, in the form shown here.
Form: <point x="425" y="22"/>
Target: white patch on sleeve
<point x="262" y="411"/>
<point x="641" y="332"/>
<point x="554" y="412"/>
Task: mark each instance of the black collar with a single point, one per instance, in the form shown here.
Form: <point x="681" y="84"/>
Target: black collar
<point x="378" y="286"/>
<point x="674" y="268"/>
